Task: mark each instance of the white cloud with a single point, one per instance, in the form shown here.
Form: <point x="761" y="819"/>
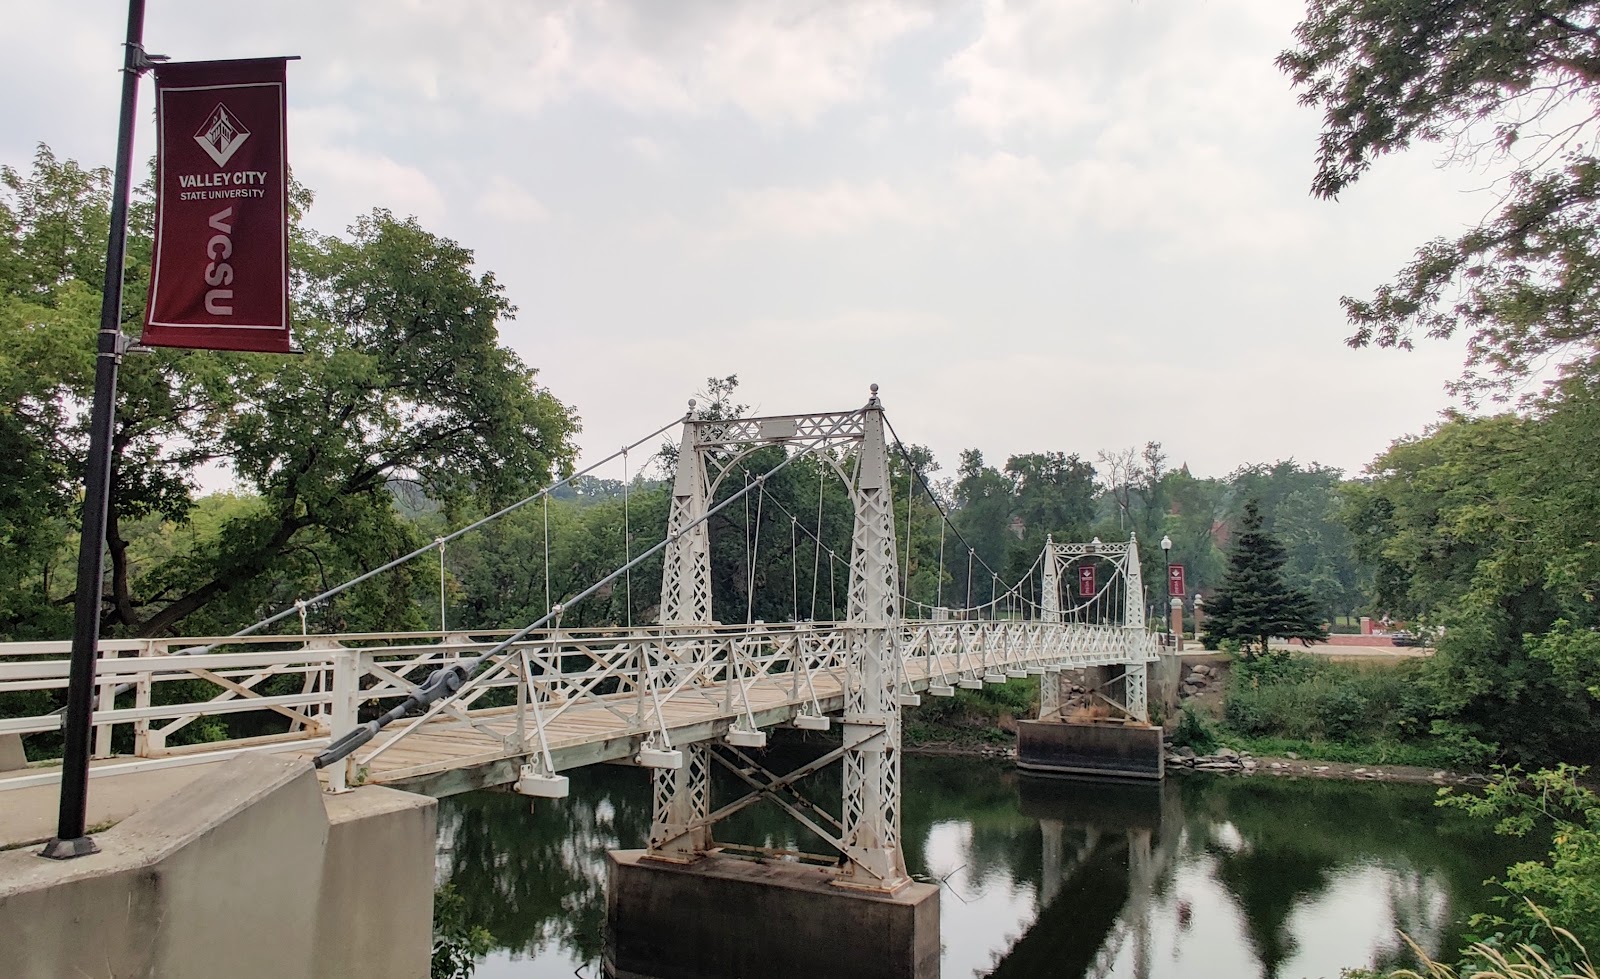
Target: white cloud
<point x="351" y="181"/>
<point x="777" y="63"/>
<point x="839" y="208"/>
<point x="998" y="211"/>
<point x="503" y="199"/>
<point x="1017" y="74"/>
<point x="646" y="149"/>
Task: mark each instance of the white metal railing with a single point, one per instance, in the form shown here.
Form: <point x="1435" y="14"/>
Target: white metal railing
<point x="320" y="686"/>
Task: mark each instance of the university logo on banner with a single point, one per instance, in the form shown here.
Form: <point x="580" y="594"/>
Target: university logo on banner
<point x="219" y="279"/>
<point x="1086" y="587"/>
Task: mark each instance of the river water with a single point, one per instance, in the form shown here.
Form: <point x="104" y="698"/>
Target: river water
<point x="1201" y="877"/>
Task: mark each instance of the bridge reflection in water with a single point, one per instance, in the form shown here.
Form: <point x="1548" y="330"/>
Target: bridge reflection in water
<point x="1234" y="878"/>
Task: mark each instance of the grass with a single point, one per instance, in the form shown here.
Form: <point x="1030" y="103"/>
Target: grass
<point x="972" y="718"/>
<point x="924" y="733"/>
<point x="1311" y="699"/>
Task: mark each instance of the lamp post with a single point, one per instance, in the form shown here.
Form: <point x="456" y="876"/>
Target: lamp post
<point x="1166" y="555"/>
<point x="72" y="833"/>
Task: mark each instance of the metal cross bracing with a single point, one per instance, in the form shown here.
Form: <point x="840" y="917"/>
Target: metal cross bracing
<point x="465" y="709"/>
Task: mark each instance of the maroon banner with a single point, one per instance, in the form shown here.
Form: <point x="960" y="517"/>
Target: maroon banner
<point x="1086" y="587"/>
<point x="220" y="276"/>
<point x="1175" y="581"/>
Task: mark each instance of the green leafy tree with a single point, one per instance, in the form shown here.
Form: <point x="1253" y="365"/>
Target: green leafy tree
<point x="1511" y="85"/>
<point x="1255" y="602"/>
<point x="50" y="220"/>
<point x="402" y="382"/>
<point x="1006" y="514"/>
<point x="1303" y="507"/>
<point x="458" y="943"/>
<point x="1485" y="527"/>
<point x="402" y="379"/>
<point x="1198" y="506"/>
<point x="984" y="502"/>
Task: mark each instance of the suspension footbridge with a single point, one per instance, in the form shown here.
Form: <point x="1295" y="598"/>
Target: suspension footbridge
<point x="454" y="710"/>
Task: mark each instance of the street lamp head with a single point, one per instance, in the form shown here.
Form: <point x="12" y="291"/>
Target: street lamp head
<point x="1166" y="543"/>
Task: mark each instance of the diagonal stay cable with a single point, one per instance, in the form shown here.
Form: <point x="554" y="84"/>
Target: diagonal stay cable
<point x="447" y="680"/>
<point x="331" y="592"/>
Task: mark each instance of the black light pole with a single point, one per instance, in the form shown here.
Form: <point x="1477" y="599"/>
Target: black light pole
<point x="72" y="839"/>
<point x="1166" y="555"/>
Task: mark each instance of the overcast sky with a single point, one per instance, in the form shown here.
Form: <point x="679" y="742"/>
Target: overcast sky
<point x="1051" y="226"/>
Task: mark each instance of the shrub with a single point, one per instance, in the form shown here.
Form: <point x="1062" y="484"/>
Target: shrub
<point x="1342" y="711"/>
<point x="1193" y="732"/>
<point x="1566" y="958"/>
<point x="1312" y="698"/>
<point x="1566" y="886"/>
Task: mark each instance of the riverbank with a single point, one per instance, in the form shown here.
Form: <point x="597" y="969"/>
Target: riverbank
<point x="1226" y="761"/>
<point x="1229" y="762"/>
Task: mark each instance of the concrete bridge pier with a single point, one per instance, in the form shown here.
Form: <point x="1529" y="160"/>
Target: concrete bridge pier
<point x="1121" y="746"/>
<point x="728" y="918"/>
<point x="1066" y="748"/>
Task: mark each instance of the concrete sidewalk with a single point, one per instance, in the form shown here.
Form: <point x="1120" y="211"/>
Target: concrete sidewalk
<point x="28" y="815"/>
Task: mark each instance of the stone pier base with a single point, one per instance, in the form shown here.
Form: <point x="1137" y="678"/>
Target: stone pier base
<point x="1064" y="748"/>
<point x="724" y="918"/>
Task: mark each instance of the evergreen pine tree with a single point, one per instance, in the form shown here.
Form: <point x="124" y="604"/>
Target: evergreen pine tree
<point x="1255" y="602"/>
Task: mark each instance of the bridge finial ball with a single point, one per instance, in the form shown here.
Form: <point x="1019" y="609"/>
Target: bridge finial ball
<point x="874" y="390"/>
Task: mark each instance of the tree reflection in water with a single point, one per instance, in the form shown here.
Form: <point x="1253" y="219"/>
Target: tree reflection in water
<point x="1199" y="877"/>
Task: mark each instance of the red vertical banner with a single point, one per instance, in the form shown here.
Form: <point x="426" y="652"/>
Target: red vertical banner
<point x="1086" y="588"/>
<point x="1175" y="581"/>
<point x="219" y="278"/>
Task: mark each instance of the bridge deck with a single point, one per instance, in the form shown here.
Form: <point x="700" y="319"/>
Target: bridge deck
<point x="443" y="757"/>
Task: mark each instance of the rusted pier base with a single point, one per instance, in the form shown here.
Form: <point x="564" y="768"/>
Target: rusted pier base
<point x="725" y="918"/>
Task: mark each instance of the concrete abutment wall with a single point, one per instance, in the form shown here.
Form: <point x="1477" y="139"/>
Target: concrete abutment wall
<point x="250" y="871"/>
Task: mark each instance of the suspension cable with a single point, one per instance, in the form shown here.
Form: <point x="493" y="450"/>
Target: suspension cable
<point x="900" y="446"/>
<point x="627" y="542"/>
<point x="440" y="542"/>
<point x="816" y="553"/>
<point x="905" y="575"/>
<point x="446" y="680"/>
<point x="750" y="590"/>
